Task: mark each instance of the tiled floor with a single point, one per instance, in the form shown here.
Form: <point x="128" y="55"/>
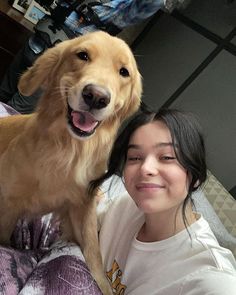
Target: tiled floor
<point x="166" y="58"/>
<point x="185" y="64"/>
<point x="212" y="97"/>
<point x="234" y="41"/>
<point x="215" y="15"/>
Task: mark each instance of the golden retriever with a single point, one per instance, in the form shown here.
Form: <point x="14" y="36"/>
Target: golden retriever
<point x="90" y="85"/>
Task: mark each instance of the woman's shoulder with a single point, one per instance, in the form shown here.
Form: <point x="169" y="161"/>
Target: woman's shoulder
<point x="210" y="281"/>
<point x="122" y="220"/>
<point x="115" y="195"/>
<point x="122" y="203"/>
<point x="207" y="248"/>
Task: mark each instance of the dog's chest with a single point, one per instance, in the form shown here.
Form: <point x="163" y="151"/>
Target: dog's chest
<point x="84" y="172"/>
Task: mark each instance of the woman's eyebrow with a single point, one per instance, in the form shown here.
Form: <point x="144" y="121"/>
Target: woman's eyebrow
<point x="163" y="144"/>
<point x="134" y="146"/>
<point x="158" y="145"/>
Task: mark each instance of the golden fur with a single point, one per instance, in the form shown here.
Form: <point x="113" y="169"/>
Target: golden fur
<point x="45" y="163"/>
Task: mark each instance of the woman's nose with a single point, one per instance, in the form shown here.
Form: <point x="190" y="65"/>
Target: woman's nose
<point x="149" y="166"/>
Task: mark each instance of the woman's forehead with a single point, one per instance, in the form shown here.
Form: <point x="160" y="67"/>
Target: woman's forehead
<point x="153" y="132"/>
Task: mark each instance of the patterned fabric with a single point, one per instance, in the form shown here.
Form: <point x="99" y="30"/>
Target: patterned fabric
<point x="223" y="203"/>
<point x="29" y="242"/>
<point x="121" y="13"/>
<point x="61" y="271"/>
<point x="37" y="264"/>
<point x="15" y="267"/>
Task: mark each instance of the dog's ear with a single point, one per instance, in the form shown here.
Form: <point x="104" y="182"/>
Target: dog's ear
<point x="137" y="90"/>
<point x="41" y="72"/>
<point x="134" y="101"/>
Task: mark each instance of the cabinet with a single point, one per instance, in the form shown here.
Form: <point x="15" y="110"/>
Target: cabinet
<point x="13" y="35"/>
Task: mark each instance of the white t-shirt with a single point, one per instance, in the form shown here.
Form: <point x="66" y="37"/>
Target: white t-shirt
<point x="175" y="266"/>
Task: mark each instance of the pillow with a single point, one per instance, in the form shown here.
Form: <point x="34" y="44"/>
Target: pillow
<point x="204" y="207"/>
<point x="222" y="202"/>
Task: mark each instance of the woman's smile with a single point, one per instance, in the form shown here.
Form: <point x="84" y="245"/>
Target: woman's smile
<point x="148" y="186"/>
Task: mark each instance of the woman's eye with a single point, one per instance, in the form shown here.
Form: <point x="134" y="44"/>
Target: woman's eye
<point x="167" y="158"/>
<point x="83" y="55"/>
<point x="124" y="72"/>
<point x="133" y="159"/>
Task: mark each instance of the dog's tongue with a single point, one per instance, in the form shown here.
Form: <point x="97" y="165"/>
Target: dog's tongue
<point x="84" y="121"/>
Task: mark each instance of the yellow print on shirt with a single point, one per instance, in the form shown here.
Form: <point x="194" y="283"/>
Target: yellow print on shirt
<point x="114" y="276"/>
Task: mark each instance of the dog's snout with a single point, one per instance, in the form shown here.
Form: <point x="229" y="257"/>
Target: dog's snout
<point x="96" y="97"/>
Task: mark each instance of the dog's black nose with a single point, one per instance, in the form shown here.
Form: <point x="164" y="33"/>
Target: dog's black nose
<point x="96" y="97"/>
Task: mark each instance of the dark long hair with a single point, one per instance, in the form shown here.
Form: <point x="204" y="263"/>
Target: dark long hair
<point x="187" y="140"/>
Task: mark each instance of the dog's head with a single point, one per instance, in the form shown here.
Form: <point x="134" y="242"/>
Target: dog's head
<point x="91" y="80"/>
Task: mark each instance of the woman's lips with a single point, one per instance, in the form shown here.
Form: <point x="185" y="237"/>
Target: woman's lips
<point x="148" y="186"/>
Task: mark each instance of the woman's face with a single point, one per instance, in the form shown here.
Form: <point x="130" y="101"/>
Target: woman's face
<point x="153" y="176"/>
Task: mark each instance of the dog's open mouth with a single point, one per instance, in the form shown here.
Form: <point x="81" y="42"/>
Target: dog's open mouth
<point x="82" y="123"/>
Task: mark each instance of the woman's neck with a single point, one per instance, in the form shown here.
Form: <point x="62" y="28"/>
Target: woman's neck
<point x="161" y="226"/>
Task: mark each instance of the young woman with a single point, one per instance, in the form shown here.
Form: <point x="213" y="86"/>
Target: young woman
<point x="151" y="239"/>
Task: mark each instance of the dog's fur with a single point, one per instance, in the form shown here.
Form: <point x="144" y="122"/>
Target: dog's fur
<point x="46" y="162"/>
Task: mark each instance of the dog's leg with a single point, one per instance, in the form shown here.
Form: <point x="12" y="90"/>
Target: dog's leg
<point x="84" y="224"/>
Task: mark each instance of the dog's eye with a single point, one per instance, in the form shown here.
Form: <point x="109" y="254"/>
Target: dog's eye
<point x="83" y="55"/>
<point x="124" y="72"/>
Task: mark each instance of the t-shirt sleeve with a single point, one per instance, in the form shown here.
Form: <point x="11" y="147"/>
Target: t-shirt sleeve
<point x="211" y="282"/>
<point x="113" y="189"/>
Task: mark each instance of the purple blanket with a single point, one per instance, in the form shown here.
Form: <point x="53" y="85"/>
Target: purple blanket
<point x="38" y="262"/>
